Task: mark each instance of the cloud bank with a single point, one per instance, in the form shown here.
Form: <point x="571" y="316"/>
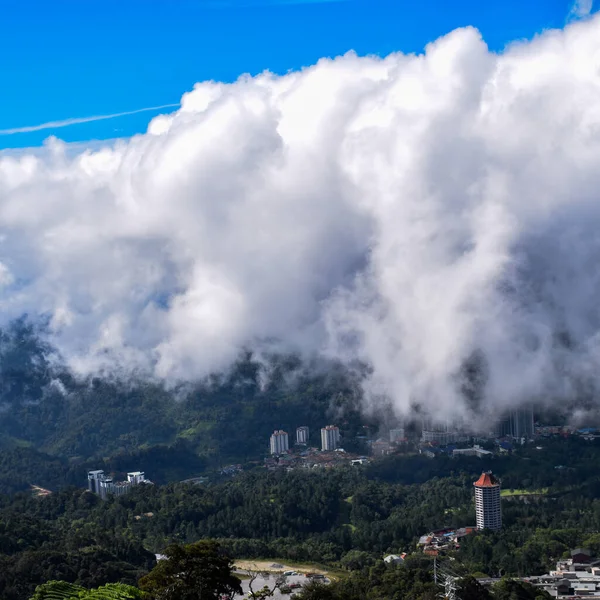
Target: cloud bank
<point x="435" y="216"/>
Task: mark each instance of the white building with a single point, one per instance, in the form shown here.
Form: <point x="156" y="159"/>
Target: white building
<point x="302" y="435"/>
<point x="94" y="479"/>
<point x="442" y="438"/>
<point x="476" y="450"/>
<point x="330" y="438"/>
<point x="279" y="442"/>
<point x="517" y="424"/>
<point x="396" y="435"/>
<point x="116" y="488"/>
<point x="103" y="485"/>
<point x="487" y="502"/>
<point x="136" y="477"/>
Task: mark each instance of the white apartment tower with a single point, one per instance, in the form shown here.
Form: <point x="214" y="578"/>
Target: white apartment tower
<point x="330" y="437"/>
<point x="279" y="442"/>
<point x="94" y="480"/>
<point x="487" y="502"/>
<point x="302" y="435"/>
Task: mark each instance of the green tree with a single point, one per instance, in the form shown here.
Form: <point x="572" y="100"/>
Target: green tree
<point x="357" y="559"/>
<point x="511" y="589"/>
<point x="61" y="590"/>
<point x="318" y="591"/>
<point x="470" y="589"/>
<point x="198" y="571"/>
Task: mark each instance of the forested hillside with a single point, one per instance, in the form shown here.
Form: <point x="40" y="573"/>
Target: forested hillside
<point x="348" y="518"/>
<point x="54" y="426"/>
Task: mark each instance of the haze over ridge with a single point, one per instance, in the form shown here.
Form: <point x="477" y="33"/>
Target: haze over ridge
<point x="418" y="213"/>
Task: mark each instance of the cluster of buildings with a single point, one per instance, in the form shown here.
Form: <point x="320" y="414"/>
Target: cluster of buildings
<point x="515" y="424"/>
<point x="574" y="578"/>
<point x="442" y="540"/>
<point x="103" y="485"/>
<point x="438" y="438"/>
<point x="313" y="458"/>
<point x="280" y="444"/>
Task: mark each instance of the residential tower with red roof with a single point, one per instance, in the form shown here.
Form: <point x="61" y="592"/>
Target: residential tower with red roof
<point x="487" y="502"/>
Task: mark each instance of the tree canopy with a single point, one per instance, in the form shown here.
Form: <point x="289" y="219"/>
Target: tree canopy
<point x="199" y="571"/>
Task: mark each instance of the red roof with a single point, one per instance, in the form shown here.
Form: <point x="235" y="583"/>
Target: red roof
<point x="486" y="480"/>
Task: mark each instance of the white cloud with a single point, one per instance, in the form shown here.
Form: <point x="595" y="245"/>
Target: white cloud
<point x="581" y="9"/>
<point x="81" y="120"/>
<point x="413" y="212"/>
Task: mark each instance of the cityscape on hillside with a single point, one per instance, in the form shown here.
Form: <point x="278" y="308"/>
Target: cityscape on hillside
<point x="428" y="438"/>
<point x="299" y="300"/>
<point x="574" y="577"/>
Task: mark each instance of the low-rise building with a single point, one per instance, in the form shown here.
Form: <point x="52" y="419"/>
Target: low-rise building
<point x="476" y="450"/>
<point x="442" y="540"/>
<point x="380" y="447"/>
<point x="397" y="435"/>
<point x="575" y="577"/>
<point x="394" y="559"/>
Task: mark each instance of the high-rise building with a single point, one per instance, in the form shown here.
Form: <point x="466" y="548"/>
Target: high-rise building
<point x="517" y="423"/>
<point x="279" y="442"/>
<point x="302" y="435"/>
<point x="487" y="502"/>
<point x="443" y="431"/>
<point x="437" y="432"/>
<point x="330" y="438"/>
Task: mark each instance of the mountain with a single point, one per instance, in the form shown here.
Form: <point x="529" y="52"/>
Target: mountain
<point x="54" y="425"/>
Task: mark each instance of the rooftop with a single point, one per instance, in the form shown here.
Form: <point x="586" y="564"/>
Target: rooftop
<point x="487" y="480"/>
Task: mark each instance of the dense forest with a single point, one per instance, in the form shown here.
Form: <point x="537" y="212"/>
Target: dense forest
<point x="63" y="425"/>
<point x="348" y="517"/>
<point x="204" y="571"/>
<point x="53" y="428"/>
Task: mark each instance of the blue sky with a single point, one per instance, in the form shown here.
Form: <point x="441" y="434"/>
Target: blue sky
<point x="76" y="58"/>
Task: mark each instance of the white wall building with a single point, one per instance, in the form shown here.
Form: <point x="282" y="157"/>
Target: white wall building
<point x="103" y="485"/>
<point x="279" y="442"/>
<point x="302" y="435"/>
<point x="94" y="479"/>
<point x="136" y="477"/>
<point x="487" y="502"/>
<point x="330" y="438"/>
<point x="396" y="435"/>
<point x="517" y="424"/>
<point x="442" y="438"/>
<point x="476" y="450"/>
